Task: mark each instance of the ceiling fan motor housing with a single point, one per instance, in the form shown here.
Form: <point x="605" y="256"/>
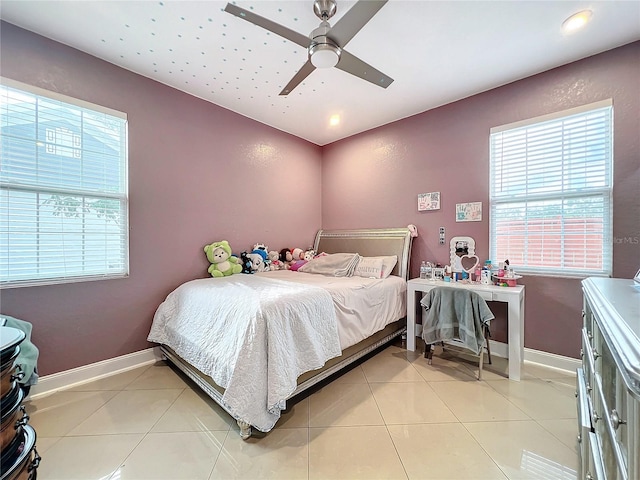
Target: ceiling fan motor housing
<point x="323" y="52"/>
<point x="324" y="9"/>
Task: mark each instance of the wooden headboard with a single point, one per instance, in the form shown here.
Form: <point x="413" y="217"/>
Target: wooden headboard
<point x="369" y="242"/>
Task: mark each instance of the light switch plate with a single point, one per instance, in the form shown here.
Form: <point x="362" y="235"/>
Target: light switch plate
<point x="442" y="239"/>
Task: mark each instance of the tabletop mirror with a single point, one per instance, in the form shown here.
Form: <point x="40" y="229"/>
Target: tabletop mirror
<point x="463" y="254"/>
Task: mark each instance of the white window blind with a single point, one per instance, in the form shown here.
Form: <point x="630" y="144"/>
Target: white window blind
<point x="63" y="189"/>
<point x="550" y="195"/>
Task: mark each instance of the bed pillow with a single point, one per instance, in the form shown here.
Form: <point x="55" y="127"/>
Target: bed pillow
<point x="388" y="264"/>
<point x="369" y="267"/>
<point x="335" y="264"/>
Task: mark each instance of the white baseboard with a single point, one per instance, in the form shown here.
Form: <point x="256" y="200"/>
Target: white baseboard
<point x="95" y="371"/>
<point x="552" y="360"/>
<point x="546" y="359"/>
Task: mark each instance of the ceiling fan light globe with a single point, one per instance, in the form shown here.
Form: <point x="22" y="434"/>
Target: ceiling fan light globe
<point x="323" y="52"/>
<point x="324" y="57"/>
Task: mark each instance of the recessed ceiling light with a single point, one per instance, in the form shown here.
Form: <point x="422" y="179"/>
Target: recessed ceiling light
<point x="334" y="120"/>
<point x="576" y="21"/>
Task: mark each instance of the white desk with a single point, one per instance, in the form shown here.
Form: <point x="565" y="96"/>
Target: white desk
<point x="513" y="296"/>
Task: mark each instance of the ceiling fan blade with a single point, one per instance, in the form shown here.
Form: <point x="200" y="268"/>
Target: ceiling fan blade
<point x="267" y="24"/>
<point x="353" y="65"/>
<point x="303" y="73"/>
<point x="352" y="21"/>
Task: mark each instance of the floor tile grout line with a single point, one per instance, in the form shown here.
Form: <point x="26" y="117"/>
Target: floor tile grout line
<point x="141" y="373"/>
<point x="510" y="401"/>
<point x="553" y="434"/>
<point x="485" y="450"/>
<point x="386" y="425"/>
<point x="454" y="414"/>
<point x="124" y="460"/>
<point x="118" y="391"/>
<point x="508" y="398"/>
<point x="215" y="463"/>
<point x="169" y="407"/>
<point x="32" y="414"/>
<point x="144" y="434"/>
<point x="404" y="467"/>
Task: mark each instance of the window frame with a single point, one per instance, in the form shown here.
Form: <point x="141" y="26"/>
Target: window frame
<point x="122" y="195"/>
<point x="605" y="192"/>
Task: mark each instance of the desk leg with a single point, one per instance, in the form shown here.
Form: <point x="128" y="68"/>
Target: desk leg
<point x="411" y="320"/>
<point x="516" y="337"/>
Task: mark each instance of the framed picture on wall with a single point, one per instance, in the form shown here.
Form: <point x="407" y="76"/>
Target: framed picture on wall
<point x="428" y="201"/>
<point x="469" y="212"/>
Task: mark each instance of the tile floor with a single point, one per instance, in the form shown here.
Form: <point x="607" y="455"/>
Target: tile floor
<point x="392" y="417"/>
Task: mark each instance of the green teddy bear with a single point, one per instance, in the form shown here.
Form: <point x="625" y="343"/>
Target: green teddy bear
<point x="223" y="263"/>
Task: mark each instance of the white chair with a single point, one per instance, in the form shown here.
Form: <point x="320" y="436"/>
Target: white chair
<point x="456" y="314"/>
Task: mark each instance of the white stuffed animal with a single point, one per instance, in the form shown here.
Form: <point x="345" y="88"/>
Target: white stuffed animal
<point x="274" y="261"/>
<point x="257" y="262"/>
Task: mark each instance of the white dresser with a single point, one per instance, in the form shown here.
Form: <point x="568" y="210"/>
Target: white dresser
<point x="608" y="383"/>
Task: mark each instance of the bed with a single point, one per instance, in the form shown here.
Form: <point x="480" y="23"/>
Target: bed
<point x="254" y="342"/>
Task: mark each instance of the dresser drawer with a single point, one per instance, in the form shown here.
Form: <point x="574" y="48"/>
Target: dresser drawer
<point x="588" y="323"/>
<point x="595" y="465"/>
<point x="588" y="360"/>
<point x="583" y="402"/>
<point x="612" y="452"/>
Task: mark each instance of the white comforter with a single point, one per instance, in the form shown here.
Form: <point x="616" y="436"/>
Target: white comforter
<point x="363" y="305"/>
<point x="253" y="335"/>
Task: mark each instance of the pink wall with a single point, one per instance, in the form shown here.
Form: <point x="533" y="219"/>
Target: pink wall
<point x="373" y="179"/>
<point x="176" y="205"/>
<point x="196" y="176"/>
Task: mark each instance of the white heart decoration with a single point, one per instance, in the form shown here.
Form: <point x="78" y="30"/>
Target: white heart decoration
<point x="473" y="268"/>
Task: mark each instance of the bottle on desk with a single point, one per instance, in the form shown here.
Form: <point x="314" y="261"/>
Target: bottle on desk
<point x="423" y="270"/>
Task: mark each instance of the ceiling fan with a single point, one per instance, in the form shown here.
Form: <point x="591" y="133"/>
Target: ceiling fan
<point x="325" y="44"/>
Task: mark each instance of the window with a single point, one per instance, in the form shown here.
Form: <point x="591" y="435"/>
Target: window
<point x="550" y="195"/>
<point x="63" y="189"/>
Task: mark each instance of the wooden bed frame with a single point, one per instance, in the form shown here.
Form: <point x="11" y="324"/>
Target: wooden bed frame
<point x="366" y="242"/>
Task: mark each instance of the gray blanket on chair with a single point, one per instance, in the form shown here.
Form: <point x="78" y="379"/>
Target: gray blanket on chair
<point x="455" y="313"/>
<point x="28" y="356"/>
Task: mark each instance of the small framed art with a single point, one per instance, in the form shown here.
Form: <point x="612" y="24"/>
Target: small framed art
<point x="428" y="201"/>
<point x="469" y="212"/>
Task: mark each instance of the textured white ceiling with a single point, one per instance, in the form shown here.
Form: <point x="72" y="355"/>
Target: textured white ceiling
<point x="436" y="51"/>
